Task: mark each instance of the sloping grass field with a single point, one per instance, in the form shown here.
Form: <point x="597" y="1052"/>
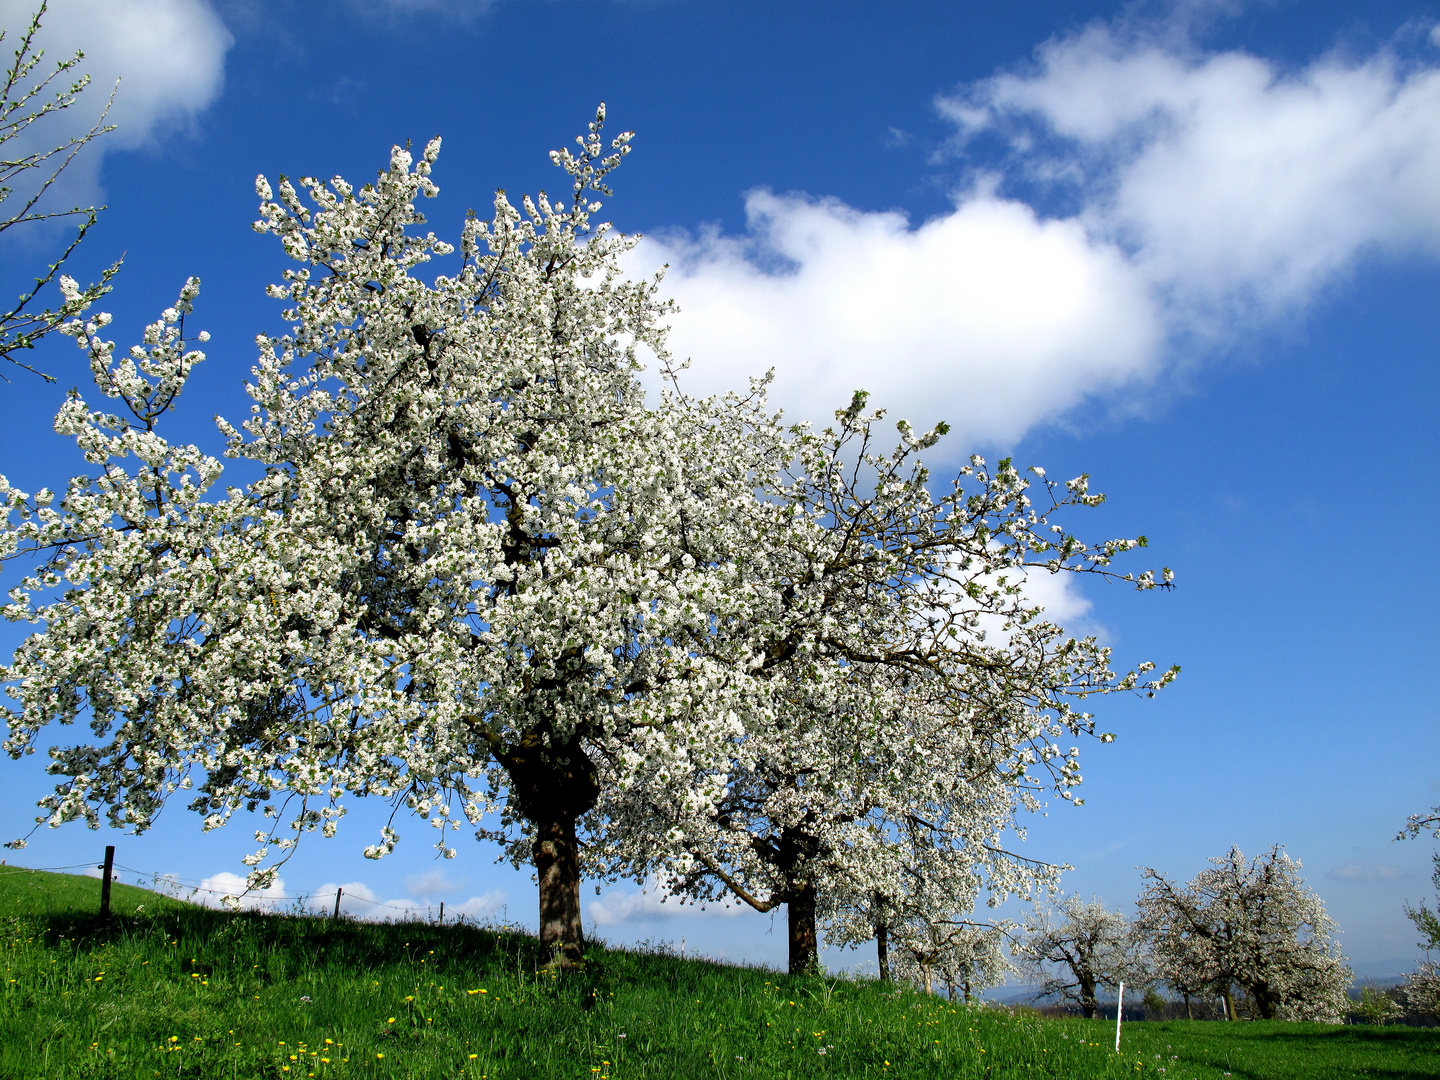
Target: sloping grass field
<point x="167" y="989"/>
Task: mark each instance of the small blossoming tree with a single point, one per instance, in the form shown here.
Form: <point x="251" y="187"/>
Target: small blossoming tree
<point x="1421" y="990"/>
<point x="912" y="687"/>
<point x="1251" y="923"/>
<point x="1080" y="949"/>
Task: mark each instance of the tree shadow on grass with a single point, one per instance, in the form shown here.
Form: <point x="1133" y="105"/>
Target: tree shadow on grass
<point x="357" y="946"/>
<point x="1389" y="1053"/>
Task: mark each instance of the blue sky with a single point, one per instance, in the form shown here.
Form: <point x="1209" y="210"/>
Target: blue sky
<point x="1190" y="249"/>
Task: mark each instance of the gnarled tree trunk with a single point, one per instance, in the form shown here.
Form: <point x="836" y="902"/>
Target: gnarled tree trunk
<point x="804" y="940"/>
<point x="554" y="786"/>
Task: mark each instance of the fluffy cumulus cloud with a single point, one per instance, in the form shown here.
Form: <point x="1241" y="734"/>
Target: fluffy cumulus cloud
<point x="226" y="889"/>
<point x="651" y="901"/>
<point x="431" y="883"/>
<point x="1206" y="193"/>
<point x="359" y="901"/>
<point x="1229" y="181"/>
<point x="169" y="56"/>
<point x="989" y="317"/>
<point x="1061" y="597"/>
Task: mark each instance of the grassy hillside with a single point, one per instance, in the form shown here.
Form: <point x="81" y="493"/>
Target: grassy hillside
<point x="173" y="990"/>
<point x="34" y="893"/>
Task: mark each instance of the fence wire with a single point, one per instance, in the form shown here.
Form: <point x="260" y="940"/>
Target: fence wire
<point x="192" y="886"/>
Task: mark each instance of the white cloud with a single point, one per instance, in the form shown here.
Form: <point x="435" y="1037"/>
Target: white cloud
<point x="1060" y="595"/>
<point x="653" y="901"/>
<point x="483" y="908"/>
<point x="988" y="317"/>
<point x="359" y="901"/>
<point x="168" y="54"/>
<point x="218" y="890"/>
<point x="431" y="883"/>
<point x="1210" y="194"/>
<point x="1232" y="184"/>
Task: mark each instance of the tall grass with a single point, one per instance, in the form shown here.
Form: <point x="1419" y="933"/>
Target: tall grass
<point x="165" y="989"/>
<point x="1273" y="1050"/>
<point x="178" y="991"/>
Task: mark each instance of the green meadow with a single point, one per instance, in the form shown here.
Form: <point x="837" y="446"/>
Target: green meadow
<point x="167" y="989"/>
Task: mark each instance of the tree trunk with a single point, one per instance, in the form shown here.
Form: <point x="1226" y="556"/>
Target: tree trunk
<point x="557" y="865"/>
<point x="800" y="920"/>
<point x="1265" y="1001"/>
<point x="554" y="785"/>
<point x="1229" y="1001"/>
<point x="882" y="950"/>
<point x="1189" y="1013"/>
<point x="1087" y="998"/>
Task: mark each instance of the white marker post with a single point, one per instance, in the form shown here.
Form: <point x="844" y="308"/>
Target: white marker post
<point x="1119" y="1008"/>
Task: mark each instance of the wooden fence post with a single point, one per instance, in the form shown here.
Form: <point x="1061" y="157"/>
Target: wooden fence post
<point x="105" y="881"/>
<point x="337" y="903"/>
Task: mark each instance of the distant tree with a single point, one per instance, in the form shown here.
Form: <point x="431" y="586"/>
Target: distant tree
<point x="918" y="896"/>
<point x="1425" y="920"/>
<point x="1421" y="990"/>
<point x="1376" y="1006"/>
<point x="1080" y="949"/>
<point x="1254" y="924"/>
<point x="1188" y="979"/>
<point x="28" y="172"/>
<point x="963" y="958"/>
<point x="1154" y="1004"/>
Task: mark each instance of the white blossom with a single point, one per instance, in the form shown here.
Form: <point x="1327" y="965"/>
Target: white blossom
<point x="480" y="576"/>
<point x="1081" y="948"/>
<point x="1254" y="924"/>
<point x="902" y="684"/>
